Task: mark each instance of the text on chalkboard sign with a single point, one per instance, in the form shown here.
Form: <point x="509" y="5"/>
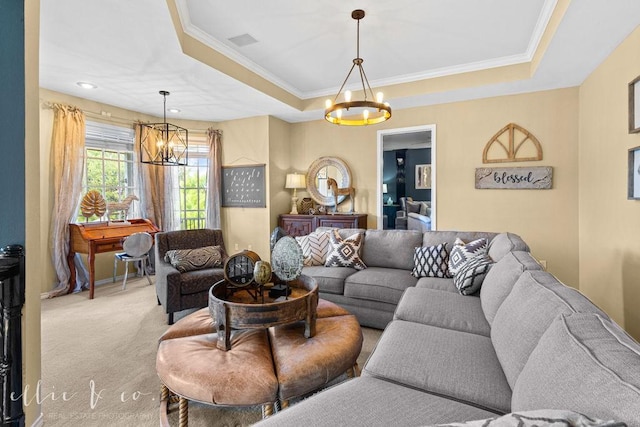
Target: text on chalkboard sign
<point x="243" y="186"/>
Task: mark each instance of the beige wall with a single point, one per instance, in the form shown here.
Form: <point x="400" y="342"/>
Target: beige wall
<point x="546" y="219"/>
<point x="279" y="166"/>
<point x="35" y="242"/>
<point x="246" y="141"/>
<point x="609" y="223"/>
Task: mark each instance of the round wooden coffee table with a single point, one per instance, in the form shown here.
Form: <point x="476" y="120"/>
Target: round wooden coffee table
<point x="239" y="308"/>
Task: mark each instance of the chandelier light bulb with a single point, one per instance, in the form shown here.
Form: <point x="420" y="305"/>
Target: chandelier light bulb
<point x="339" y="114"/>
<point x="379" y="97"/>
<point x="365" y="114"/>
<point x="347" y="96"/>
<point x="328" y="103"/>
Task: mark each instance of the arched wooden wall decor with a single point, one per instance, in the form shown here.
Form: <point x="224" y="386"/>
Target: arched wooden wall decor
<point x="514" y="133"/>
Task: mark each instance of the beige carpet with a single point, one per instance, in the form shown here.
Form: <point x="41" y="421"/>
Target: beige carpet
<point x="98" y="361"/>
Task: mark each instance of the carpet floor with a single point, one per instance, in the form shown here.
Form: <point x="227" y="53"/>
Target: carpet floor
<point x="98" y="361"/>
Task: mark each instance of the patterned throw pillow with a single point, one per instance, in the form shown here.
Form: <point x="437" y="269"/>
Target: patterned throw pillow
<point x="431" y="261"/>
<point x="470" y="276"/>
<point x="344" y="252"/>
<point x="462" y="252"/>
<point x="194" y="259"/>
<point x="314" y="247"/>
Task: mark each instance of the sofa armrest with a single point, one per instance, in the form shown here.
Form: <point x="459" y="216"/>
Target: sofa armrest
<point x="168" y="285"/>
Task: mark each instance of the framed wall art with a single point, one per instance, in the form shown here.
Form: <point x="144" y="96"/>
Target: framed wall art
<point x="423" y="177"/>
<point x="633" y="185"/>
<point x="243" y="186"/>
<point x="634" y="105"/>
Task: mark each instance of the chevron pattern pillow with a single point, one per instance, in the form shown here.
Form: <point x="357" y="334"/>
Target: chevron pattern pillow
<point x="470" y="276"/>
<point x="315" y="247"/>
<point x="461" y="252"/>
<point x="345" y="252"/>
<point x="431" y="261"/>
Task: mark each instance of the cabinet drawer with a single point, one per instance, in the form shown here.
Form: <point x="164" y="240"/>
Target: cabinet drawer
<point x="108" y="247"/>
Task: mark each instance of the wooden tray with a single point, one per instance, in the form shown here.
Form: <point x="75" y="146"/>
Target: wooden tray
<point x="233" y="309"/>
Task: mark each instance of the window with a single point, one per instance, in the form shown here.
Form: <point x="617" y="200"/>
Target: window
<point x="192" y="185"/>
<point x="109" y="167"/>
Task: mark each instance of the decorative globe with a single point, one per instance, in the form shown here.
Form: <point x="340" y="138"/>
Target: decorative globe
<point x="287" y="259"/>
<point x="262" y="272"/>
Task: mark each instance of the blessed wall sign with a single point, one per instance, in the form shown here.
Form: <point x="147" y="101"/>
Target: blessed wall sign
<point x="529" y="178"/>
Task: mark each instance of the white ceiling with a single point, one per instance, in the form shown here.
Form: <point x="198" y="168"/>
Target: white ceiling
<point x="131" y="49"/>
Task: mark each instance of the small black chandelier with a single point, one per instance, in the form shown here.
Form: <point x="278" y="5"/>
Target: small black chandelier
<point x="163" y="144"/>
<point x="357" y="113"/>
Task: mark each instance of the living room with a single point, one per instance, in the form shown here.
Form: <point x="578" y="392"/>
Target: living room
<point x="582" y="227"/>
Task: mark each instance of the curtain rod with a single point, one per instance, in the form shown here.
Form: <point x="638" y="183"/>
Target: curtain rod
<point x="108" y="117"/>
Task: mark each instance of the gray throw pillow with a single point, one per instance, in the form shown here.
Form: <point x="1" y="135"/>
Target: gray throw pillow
<point x="461" y="252"/>
<point x="542" y="417"/>
<point x="413" y="207"/>
<point x="194" y="259"/>
<point x="470" y="276"/>
<point x="431" y="261"/>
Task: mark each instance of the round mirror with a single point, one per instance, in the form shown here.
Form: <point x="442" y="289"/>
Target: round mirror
<point x="319" y="173"/>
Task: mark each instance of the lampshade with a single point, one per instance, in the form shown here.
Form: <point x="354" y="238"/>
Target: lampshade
<point x="384" y="188"/>
<point x="357" y="112"/>
<point x="163" y="144"/>
<point x="295" y="180"/>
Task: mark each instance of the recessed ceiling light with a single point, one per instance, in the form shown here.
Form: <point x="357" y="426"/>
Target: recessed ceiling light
<point x="86" y="85"/>
<point x="173" y="110"/>
<point x="243" y="40"/>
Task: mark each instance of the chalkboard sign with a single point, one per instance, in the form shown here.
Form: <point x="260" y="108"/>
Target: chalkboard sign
<point x="243" y="186"/>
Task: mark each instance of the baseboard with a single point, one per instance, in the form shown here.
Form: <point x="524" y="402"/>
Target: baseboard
<point x="108" y="280"/>
<point x="39" y="422"/>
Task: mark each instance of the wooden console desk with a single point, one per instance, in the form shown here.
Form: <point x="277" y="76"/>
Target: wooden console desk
<point x="99" y="237"/>
<point x="300" y="225"/>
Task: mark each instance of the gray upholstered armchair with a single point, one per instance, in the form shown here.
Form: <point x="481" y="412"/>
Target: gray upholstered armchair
<point x="178" y="291"/>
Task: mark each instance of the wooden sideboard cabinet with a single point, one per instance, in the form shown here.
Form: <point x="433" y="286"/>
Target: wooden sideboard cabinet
<point x="300" y="225"/>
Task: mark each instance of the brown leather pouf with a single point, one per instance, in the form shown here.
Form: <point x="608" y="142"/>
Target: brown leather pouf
<point x="304" y="364"/>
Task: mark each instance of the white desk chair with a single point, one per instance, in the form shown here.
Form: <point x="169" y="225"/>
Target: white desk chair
<point x="136" y="249"/>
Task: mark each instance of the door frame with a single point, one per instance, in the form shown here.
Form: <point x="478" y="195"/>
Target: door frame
<point x="380" y="197"/>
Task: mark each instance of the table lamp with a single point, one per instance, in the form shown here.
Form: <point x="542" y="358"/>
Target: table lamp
<point x="295" y="181"/>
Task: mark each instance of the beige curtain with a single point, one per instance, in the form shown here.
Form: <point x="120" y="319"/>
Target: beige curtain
<point x="67" y="145"/>
<point x="156" y="188"/>
<point x="214" y="186"/>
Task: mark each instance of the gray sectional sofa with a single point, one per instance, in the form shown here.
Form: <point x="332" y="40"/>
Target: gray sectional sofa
<point x="525" y="343"/>
<point x="372" y="294"/>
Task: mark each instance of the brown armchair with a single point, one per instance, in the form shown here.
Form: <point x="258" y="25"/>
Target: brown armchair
<point x="178" y="291"/>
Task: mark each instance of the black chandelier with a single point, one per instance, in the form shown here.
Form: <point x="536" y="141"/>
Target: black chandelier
<point x="163" y="144"/>
<point x="357" y="113"/>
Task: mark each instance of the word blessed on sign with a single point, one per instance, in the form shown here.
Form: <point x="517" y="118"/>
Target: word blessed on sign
<point x="531" y="178"/>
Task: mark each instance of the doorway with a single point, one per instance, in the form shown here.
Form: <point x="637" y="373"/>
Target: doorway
<point x="406" y="168"/>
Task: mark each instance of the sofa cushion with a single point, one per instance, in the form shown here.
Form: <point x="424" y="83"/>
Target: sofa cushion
<point x="536" y="299"/>
<point x="196" y="281"/>
<point x="378" y="284"/>
<point x="431" y="307"/>
<point x="431" y="261"/>
<point x="501" y="278"/>
<point x="462" y="252"/>
<point x="442" y="361"/>
<point x="351" y="402"/>
<point x="390" y="248"/>
<point x="314" y="247"/>
<point x="585" y="363"/>
<point x="345" y="252"/>
<point x="437" y="283"/>
<point x="472" y="273"/>
<point x="185" y="260"/>
<point x="504" y="243"/>
<point x="329" y="280"/>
